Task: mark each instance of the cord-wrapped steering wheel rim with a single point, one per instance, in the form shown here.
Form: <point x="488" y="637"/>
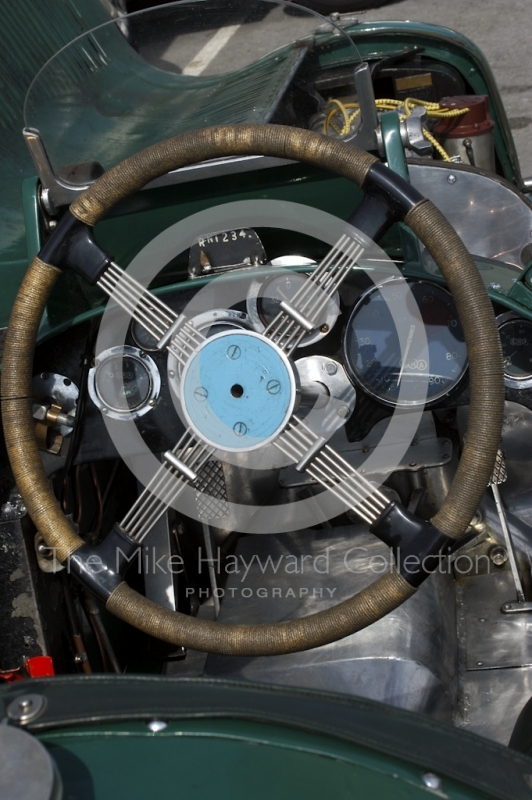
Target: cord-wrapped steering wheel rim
<point x="485" y="364"/>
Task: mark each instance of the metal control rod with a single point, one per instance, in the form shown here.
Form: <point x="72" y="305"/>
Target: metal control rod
<point x="499" y="476"/>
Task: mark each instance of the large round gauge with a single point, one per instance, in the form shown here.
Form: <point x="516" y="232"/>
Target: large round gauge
<point x="430" y="365"/>
<point x="124" y="383"/>
<point x="516" y="341"/>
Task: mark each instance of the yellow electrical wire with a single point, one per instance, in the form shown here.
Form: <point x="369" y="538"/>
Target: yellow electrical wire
<point x="336" y="108"/>
<point x="437" y="146"/>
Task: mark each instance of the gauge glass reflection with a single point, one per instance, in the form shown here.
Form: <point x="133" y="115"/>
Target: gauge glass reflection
<point x="123" y="383"/>
<point x="373" y="350"/>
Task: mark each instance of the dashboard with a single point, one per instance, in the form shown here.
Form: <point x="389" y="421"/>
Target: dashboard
<point x="394" y="343"/>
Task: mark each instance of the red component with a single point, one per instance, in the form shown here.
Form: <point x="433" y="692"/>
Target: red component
<point x="477" y="120"/>
<point x="11" y="677"/>
<point x="39" y="667"/>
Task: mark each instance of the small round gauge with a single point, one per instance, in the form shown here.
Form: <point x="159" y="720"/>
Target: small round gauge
<point x="124" y="383"/>
<point x="516" y="341"/>
<point x="142" y="338"/>
<point x="434" y="356"/>
<point x="274" y="291"/>
<point x="265" y="298"/>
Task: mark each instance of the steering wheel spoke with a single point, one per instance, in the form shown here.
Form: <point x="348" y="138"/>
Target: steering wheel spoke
<point x="321" y="462"/>
<point x="171" y="331"/>
<point x="304" y="313"/>
<point x="180" y="468"/>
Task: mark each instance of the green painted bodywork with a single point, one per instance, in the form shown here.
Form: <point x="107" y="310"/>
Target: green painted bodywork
<point x="393" y="146"/>
<point x="229" y="760"/>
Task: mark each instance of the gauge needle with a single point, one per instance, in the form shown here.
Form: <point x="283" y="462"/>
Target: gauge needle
<point x="407" y="349"/>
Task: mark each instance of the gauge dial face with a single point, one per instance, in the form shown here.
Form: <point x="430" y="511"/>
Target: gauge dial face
<point x="142" y="338"/>
<point x="516" y="341"/>
<point x="123" y="383"/>
<point x="274" y="291"/>
<point x="265" y="297"/>
<point x="429" y="367"/>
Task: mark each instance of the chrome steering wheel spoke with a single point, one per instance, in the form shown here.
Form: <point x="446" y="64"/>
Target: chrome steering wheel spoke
<point x="172" y="332"/>
<point x="314" y="456"/>
<point x="180" y="468"/>
<point x="303" y="314"/>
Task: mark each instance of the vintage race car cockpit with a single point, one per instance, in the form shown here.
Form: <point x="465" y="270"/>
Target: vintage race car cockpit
<point x="266" y="404"/>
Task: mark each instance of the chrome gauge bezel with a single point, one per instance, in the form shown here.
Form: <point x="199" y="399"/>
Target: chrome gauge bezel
<point x="502" y="321"/>
<point x="227" y="318"/>
<point x="360" y="384"/>
<point x="154" y="382"/>
<point x="282" y="266"/>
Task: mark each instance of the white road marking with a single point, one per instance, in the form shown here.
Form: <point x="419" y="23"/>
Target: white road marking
<point x="201" y="61"/>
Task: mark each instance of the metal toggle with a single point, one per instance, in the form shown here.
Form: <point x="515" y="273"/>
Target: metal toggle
<point x="292" y="312"/>
<point x="311" y="454"/>
<point x="178" y="465"/>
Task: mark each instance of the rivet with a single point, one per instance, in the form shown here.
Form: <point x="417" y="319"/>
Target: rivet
<point x="432" y="781"/>
<point x="171" y="373"/>
<point x="331" y="368"/>
<point x="156" y="725"/>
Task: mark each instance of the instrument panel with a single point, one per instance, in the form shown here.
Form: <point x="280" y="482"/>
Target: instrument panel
<point x="430" y="366"/>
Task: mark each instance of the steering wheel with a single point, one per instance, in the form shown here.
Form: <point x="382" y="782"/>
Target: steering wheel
<point x="388" y="198"/>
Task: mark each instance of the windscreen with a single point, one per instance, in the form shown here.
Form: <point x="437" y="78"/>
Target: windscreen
<point x="153" y="74"/>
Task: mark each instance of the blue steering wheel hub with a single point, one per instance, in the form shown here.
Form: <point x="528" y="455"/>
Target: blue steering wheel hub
<point x="238" y="391"/>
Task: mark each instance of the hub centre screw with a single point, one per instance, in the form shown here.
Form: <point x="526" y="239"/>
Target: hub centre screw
<point x="273" y="387"/>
